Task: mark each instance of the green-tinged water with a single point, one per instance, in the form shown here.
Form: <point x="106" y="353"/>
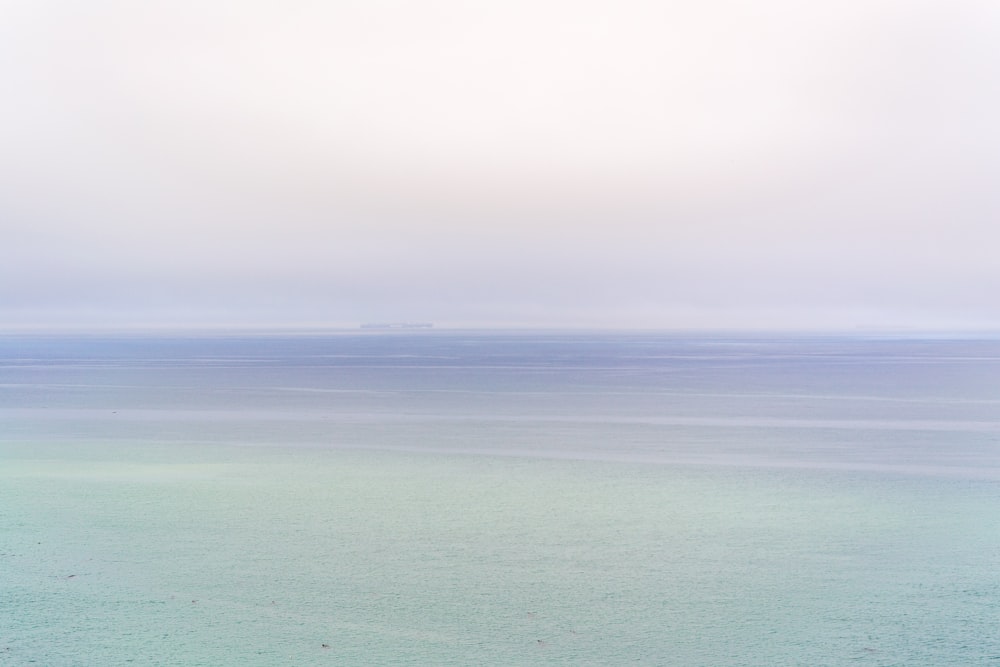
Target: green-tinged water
<point x="457" y="535"/>
<point x="249" y="556"/>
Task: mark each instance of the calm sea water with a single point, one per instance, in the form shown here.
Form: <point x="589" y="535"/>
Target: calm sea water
<point x="439" y="498"/>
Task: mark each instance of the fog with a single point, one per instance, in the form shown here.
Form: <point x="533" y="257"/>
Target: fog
<point x="544" y="163"/>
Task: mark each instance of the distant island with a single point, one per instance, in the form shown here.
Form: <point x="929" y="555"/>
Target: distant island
<point x="397" y="325"/>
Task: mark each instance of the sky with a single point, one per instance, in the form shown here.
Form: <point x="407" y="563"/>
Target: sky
<point x="551" y="163"/>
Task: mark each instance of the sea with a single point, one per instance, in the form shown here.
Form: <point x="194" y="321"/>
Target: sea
<point x="499" y="498"/>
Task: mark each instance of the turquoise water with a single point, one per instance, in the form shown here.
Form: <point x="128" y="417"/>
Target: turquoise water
<point x="447" y="499"/>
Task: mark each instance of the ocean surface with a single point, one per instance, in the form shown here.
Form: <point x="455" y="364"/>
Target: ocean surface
<point x="470" y="498"/>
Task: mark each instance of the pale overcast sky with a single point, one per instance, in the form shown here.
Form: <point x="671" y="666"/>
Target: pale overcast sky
<point x="528" y="162"/>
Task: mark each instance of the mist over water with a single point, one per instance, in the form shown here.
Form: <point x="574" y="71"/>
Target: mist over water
<point x="480" y="498"/>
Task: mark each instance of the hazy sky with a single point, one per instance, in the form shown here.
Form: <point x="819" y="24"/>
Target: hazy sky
<point x="543" y="162"/>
